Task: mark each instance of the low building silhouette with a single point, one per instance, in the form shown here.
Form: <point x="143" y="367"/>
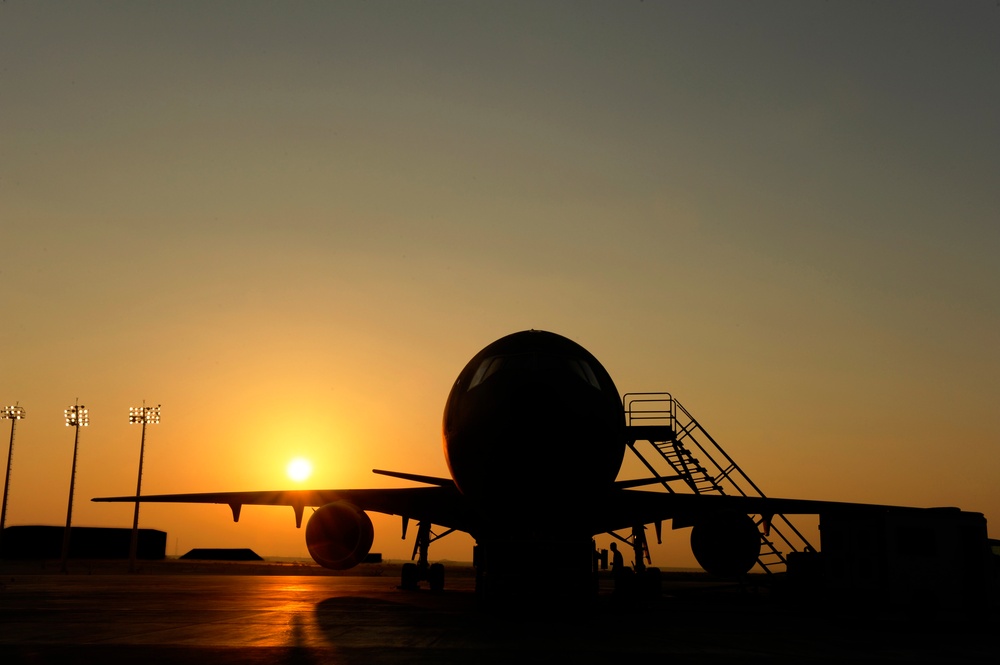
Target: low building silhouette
<point x="45" y="542"/>
<point x="222" y="554"/>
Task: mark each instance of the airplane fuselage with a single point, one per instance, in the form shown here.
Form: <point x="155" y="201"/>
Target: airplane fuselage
<point x="534" y="436"/>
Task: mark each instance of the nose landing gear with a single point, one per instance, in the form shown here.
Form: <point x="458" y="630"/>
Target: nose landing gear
<point x="422" y="571"/>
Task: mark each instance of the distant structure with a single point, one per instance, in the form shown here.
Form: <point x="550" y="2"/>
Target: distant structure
<point x="145" y="415"/>
<point x="222" y="554"/>
<point x="45" y="542"/>
<point x="933" y="557"/>
<point x="13" y="414"/>
<point x="77" y="416"/>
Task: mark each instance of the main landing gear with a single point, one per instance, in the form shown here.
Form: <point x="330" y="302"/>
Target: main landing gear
<point x="422" y="571"/>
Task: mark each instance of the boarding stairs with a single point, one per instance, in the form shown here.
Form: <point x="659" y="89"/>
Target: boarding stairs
<point x="679" y="451"/>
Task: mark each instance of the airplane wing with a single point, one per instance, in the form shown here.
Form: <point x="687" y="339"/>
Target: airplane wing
<point x="625" y="508"/>
<point x="441" y="505"/>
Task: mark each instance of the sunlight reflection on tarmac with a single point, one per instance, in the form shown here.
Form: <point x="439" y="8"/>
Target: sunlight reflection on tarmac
<point x="222" y="619"/>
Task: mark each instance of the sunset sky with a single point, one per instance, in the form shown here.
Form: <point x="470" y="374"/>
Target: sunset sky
<point x="292" y="224"/>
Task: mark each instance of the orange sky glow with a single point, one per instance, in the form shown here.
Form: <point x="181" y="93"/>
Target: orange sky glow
<point x="293" y="226"/>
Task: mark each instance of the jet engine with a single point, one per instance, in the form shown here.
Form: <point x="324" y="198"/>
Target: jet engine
<point x="339" y="535"/>
<point x="726" y="544"/>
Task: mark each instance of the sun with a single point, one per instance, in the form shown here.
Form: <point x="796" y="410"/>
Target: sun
<point x="299" y="469"/>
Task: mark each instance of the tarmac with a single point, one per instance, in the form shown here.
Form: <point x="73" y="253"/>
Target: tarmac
<point x="230" y="613"/>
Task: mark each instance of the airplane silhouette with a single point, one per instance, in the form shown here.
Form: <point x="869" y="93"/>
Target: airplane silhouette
<point x="534" y="438"/>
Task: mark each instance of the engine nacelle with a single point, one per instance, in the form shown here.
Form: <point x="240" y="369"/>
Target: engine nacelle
<point x="726" y="544"/>
<point x="339" y="535"/>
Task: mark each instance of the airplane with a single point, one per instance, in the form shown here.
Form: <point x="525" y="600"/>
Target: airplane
<point x="534" y="438"/>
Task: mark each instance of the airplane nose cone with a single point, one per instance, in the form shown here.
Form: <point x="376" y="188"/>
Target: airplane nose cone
<point x="533" y="421"/>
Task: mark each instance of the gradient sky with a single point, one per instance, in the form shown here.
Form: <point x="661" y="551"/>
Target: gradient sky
<point x="292" y="224"/>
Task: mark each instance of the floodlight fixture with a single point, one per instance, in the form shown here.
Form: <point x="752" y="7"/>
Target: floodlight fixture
<point x="77" y="416"/>
<point x="144" y="415"/>
<point x="13" y="414"/>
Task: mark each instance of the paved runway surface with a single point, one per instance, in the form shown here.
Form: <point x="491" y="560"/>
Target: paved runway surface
<point x="222" y="619"/>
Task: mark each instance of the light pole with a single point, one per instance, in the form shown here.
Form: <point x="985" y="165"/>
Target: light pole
<point x="147" y="415"/>
<point x="13" y="414"/>
<point x="76" y="416"/>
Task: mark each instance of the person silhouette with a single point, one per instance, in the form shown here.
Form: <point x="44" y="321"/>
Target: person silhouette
<point x="618" y="571"/>
<point x="617" y="560"/>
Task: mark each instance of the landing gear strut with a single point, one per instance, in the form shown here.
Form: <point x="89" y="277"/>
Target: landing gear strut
<point x="413" y="573"/>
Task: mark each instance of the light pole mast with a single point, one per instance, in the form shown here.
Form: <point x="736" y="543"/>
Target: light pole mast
<point x="13" y="414"/>
<point x="76" y="416"/>
<point x="146" y="415"/>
